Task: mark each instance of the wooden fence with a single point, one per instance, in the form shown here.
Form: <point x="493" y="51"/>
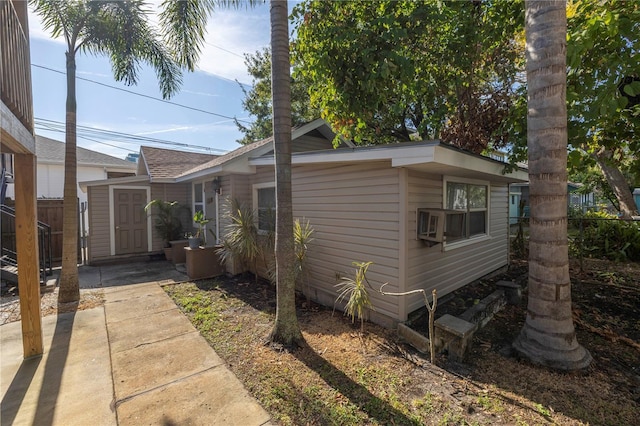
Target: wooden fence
<point x="50" y="213"/>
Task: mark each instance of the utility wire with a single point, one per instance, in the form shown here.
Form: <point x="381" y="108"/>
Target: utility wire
<point x="122" y="137"/>
<point x="143" y="95"/>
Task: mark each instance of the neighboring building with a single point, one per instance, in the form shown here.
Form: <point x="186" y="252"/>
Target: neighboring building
<point x="575" y="199"/>
<point x="636" y="197"/>
<point x="428" y="215"/>
<point x="92" y="165"/>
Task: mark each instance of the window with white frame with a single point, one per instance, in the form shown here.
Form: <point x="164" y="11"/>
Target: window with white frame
<point x="198" y="198"/>
<point x="264" y="203"/>
<point x="467" y="210"/>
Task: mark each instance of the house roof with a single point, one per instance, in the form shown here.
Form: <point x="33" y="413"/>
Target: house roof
<point x="228" y="157"/>
<point x="237" y="160"/>
<point x="51" y="151"/>
<point x="162" y="163"/>
<point x="427" y="156"/>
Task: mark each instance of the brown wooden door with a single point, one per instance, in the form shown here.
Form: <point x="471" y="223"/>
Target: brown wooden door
<point x="130" y="220"/>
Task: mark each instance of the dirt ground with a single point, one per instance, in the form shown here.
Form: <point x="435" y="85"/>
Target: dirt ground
<point x="347" y="372"/>
<point x="342" y="377"/>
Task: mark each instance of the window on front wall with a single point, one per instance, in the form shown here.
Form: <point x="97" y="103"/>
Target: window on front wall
<point x="198" y="198"/>
<point x="467" y="211"/>
<point x="266" y="208"/>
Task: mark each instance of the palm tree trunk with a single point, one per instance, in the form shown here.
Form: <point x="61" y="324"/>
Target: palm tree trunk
<point x="548" y="336"/>
<point x="286" y="329"/>
<point x="69" y="286"/>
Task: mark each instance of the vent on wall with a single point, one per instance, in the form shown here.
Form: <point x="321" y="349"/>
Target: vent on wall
<point x="430" y="225"/>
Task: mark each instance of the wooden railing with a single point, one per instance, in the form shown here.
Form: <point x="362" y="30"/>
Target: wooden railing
<point x="15" y="72"/>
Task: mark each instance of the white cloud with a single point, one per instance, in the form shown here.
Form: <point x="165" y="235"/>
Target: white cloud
<point x="239" y="31"/>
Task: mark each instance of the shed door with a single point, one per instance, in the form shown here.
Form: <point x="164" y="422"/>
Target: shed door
<point x="130" y="221"/>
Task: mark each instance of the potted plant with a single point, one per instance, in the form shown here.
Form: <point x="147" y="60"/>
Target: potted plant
<point x="201" y="234"/>
<point x="167" y="221"/>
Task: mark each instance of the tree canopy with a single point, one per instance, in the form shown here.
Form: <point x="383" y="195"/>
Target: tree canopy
<point x="397" y="70"/>
<point x="257" y="100"/>
<point x="603" y="94"/>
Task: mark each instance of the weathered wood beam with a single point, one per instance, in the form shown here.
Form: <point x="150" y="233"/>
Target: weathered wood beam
<point x="28" y="256"/>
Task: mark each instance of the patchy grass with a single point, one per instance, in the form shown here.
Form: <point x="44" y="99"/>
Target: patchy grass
<point x="343" y="378"/>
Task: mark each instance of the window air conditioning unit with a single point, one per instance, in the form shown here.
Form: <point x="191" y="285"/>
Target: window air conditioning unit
<point x="430" y="225"/>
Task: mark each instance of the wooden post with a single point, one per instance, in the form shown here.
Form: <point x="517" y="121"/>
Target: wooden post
<point x="27" y="249"/>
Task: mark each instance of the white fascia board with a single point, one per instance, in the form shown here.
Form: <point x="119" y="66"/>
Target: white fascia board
<point x="459" y="159"/>
<point x="296" y="133"/>
<point x="216" y="170"/>
<point x="162" y="180"/>
<point x="113" y="181"/>
<point x="399" y="156"/>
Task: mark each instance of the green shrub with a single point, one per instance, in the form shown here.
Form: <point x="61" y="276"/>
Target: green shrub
<point x="604" y="237"/>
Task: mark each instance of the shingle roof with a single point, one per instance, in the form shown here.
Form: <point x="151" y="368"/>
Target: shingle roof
<point x="52" y="151"/>
<point x="227" y="157"/>
<point x="167" y="163"/>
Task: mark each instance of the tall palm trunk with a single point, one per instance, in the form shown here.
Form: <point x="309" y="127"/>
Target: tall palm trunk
<point x="548" y="336"/>
<point x="286" y="329"/>
<point x="69" y="286"/>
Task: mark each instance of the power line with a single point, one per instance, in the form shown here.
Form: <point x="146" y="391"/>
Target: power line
<point x="143" y="95"/>
<point x="224" y="50"/>
<point x="85" y="131"/>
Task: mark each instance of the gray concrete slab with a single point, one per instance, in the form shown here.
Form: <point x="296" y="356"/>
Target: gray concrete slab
<point x="70" y="384"/>
<point x="136" y="301"/>
<point x="137" y="355"/>
<point x="127" y="334"/>
<point x="215" y="395"/>
<point x="146" y="367"/>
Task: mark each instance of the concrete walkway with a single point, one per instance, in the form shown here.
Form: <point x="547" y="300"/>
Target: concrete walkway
<point x="137" y="360"/>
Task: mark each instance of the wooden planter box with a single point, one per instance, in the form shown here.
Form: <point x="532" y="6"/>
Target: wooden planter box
<point x="203" y="262"/>
<point x="177" y="251"/>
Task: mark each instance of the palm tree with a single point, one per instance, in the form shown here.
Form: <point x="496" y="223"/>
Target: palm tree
<point x="286" y="329"/>
<point x="548" y="336"/>
<point x="120" y="30"/>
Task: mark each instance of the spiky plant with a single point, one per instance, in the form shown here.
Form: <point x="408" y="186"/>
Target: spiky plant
<point x="355" y="291"/>
<point x="240" y="239"/>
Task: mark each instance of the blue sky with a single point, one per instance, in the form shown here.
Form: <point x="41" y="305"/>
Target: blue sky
<point x="231" y="33"/>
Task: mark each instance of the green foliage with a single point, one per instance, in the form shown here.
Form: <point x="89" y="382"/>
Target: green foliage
<point x="604" y="236"/>
<point x="257" y="100"/>
<point x="302" y="236"/>
<point x="355" y="292"/>
<point x="393" y="70"/>
<point x="602" y="51"/>
<point x="167" y="219"/>
<point x="240" y="239"/>
<point x="202" y="225"/>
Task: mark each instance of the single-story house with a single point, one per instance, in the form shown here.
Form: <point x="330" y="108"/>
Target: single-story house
<point x="426" y="214"/>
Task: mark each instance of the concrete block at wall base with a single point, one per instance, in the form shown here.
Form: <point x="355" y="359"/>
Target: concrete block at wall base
<point x="454" y="334"/>
<point x="512" y="291"/>
<point x="415" y="339"/>
<point x="481" y="313"/>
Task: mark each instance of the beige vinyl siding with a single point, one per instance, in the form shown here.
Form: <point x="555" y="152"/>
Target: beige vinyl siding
<point x="99" y="241"/>
<point x="180" y="192"/>
<point x="433" y="267"/>
<point x="311" y="143"/>
<point x="353" y="209"/>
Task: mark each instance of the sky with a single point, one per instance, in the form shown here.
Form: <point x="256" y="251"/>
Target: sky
<point x="212" y="89"/>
